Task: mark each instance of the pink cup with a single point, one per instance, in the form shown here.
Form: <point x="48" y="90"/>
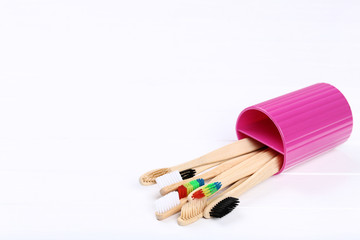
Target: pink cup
<point x="300" y="124"/>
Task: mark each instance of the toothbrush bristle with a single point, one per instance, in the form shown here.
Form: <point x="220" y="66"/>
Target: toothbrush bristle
<point x="187" y="188"/>
<point x="182" y="190"/>
<point x="207" y="191"/>
<point x="224" y="207"/>
<point x="188" y="173"/>
<point x="198" y="194"/>
<point x="168" y="179"/>
<point x="201" y="181"/>
<point x="167" y="202"/>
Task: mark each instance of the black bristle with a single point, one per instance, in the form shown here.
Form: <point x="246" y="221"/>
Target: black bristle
<point x="188" y="173"/>
<point x="224" y="207"/>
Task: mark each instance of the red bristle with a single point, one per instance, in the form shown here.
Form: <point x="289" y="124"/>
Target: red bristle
<point x="198" y="194"/>
<point x="182" y="192"/>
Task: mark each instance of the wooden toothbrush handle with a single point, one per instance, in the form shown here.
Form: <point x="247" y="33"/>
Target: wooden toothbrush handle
<point x="202" y="168"/>
<point x="210" y="174"/>
<point x="245" y="168"/>
<point x="268" y="170"/>
<point x="235" y="184"/>
<point x="229" y="151"/>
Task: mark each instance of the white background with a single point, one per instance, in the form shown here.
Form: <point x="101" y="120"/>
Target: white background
<point x="95" y="93"/>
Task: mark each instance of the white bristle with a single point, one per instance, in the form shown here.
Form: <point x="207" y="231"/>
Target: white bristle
<point x="167" y="202"/>
<point x="168" y="179"/>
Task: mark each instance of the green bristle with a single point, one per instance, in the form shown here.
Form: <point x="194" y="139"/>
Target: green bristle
<point x="195" y="184"/>
<point x="211" y="189"/>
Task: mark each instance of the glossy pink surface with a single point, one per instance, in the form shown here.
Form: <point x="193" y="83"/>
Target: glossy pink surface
<point x="300" y="124"/>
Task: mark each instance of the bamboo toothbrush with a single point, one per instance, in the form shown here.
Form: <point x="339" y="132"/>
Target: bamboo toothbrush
<point x="243" y="169"/>
<point x="172" y="202"/>
<point x="176" y="176"/>
<point x="225" y="203"/>
<point x="210" y="174"/>
<point x="229" y="151"/>
<point x="193" y="210"/>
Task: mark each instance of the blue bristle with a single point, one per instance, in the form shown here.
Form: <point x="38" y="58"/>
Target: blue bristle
<point x="200" y="181"/>
<point x="218" y="185"/>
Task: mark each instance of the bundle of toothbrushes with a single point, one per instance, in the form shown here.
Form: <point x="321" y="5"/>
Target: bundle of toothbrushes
<point x="273" y="136"/>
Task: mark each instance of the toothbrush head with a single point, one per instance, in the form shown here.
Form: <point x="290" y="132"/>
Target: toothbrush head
<point x="149" y="178"/>
<point x="167" y="202"/>
<point x="192" y="211"/>
<point x="224" y="207"/>
<point x="207" y="191"/>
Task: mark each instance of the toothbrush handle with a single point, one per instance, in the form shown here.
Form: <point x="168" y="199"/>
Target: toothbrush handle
<point x="245" y="168"/>
<point x="268" y="170"/>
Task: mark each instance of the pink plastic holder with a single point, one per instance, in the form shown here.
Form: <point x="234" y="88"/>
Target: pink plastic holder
<point x="300" y="124"/>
